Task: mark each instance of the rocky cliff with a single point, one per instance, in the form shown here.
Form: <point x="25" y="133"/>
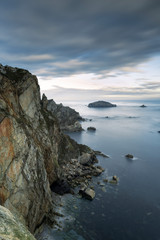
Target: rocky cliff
<point x="32" y="147"/>
<point x="68" y="118"/>
<point x="11" y="228"/>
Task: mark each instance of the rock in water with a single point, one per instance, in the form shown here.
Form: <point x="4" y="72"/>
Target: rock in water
<point x="101" y="104"/>
<point x="129" y="156"/>
<point x="12" y="228"/>
<point x="87" y="193"/>
<point x="91" y="129"/>
<point x="143" y="106"/>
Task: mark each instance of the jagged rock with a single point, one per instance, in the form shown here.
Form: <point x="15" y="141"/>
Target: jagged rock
<point x="101" y="104"/>
<point x="11" y="227"/>
<point x="129" y="156"/>
<point x="87" y="193"/>
<point x="68" y="117"/>
<point x="91" y="129"/>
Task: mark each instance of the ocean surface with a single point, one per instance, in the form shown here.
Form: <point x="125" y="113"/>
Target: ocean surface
<point x="129" y="210"/>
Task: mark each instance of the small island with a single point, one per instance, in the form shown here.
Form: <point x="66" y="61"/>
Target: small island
<point x="101" y="104"/>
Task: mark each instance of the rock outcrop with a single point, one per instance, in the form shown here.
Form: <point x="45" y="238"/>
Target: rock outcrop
<point x="11" y="228"/>
<point x="101" y="104"/>
<point x="68" y="118"/>
<point x="32" y="147"/>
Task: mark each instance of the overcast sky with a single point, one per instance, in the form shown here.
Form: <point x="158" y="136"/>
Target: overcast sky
<point x="85" y="49"/>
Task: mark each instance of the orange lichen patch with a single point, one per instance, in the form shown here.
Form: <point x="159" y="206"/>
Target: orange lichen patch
<point x="6" y="146"/>
<point x="6" y="128"/>
<point x="4" y="194"/>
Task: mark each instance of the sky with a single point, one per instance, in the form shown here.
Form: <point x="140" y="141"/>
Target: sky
<point x="85" y="50"/>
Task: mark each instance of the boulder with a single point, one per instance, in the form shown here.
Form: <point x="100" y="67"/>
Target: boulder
<point x="91" y="129"/>
<point x="100" y="104"/>
<point x="129" y="156"/>
<point x="87" y="159"/>
<point x="87" y="193"/>
<point x="115" y="178"/>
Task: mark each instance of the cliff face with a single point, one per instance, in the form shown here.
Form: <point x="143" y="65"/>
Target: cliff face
<point x="11" y="228"/>
<point x="31" y="147"/>
<point x="68" y="118"/>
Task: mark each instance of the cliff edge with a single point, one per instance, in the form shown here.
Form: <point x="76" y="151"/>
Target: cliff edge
<point x="32" y="147"/>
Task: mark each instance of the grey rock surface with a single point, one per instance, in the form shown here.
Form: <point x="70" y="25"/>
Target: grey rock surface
<point x="100" y="104"/>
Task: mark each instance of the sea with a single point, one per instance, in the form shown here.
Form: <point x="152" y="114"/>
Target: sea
<point x="130" y="209"/>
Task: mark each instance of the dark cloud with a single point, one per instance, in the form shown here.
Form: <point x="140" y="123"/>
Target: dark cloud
<point x="95" y="35"/>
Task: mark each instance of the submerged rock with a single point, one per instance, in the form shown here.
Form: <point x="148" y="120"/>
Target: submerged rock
<point x="129" y="156"/>
<point x="101" y="104"/>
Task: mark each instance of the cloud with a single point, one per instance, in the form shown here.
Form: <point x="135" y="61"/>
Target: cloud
<point x="61" y="94"/>
<point x="88" y="36"/>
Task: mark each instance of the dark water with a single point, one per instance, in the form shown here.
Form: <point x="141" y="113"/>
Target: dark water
<point x="130" y="209"/>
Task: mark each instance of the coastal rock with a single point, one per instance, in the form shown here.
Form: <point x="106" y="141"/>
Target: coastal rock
<point x="87" y="193"/>
<point x="12" y="228"/>
<point x="32" y="147"/>
<point x="68" y="118"/>
<point x="129" y="156"/>
<point x="143" y="106"/>
<point x="100" y="104"/>
<point x="87" y="159"/>
<point x="91" y="129"/>
<point x="115" y="178"/>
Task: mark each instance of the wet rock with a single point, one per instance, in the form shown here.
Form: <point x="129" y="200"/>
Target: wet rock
<point x="158" y="131"/>
<point x="87" y="193"/>
<point x="91" y="129"/>
<point x="115" y="178"/>
<point x="105" y="180"/>
<point x="143" y="106"/>
<point x="129" y="156"/>
<point x="101" y="154"/>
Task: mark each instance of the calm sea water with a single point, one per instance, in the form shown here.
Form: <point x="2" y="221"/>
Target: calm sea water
<point x="129" y="210"/>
